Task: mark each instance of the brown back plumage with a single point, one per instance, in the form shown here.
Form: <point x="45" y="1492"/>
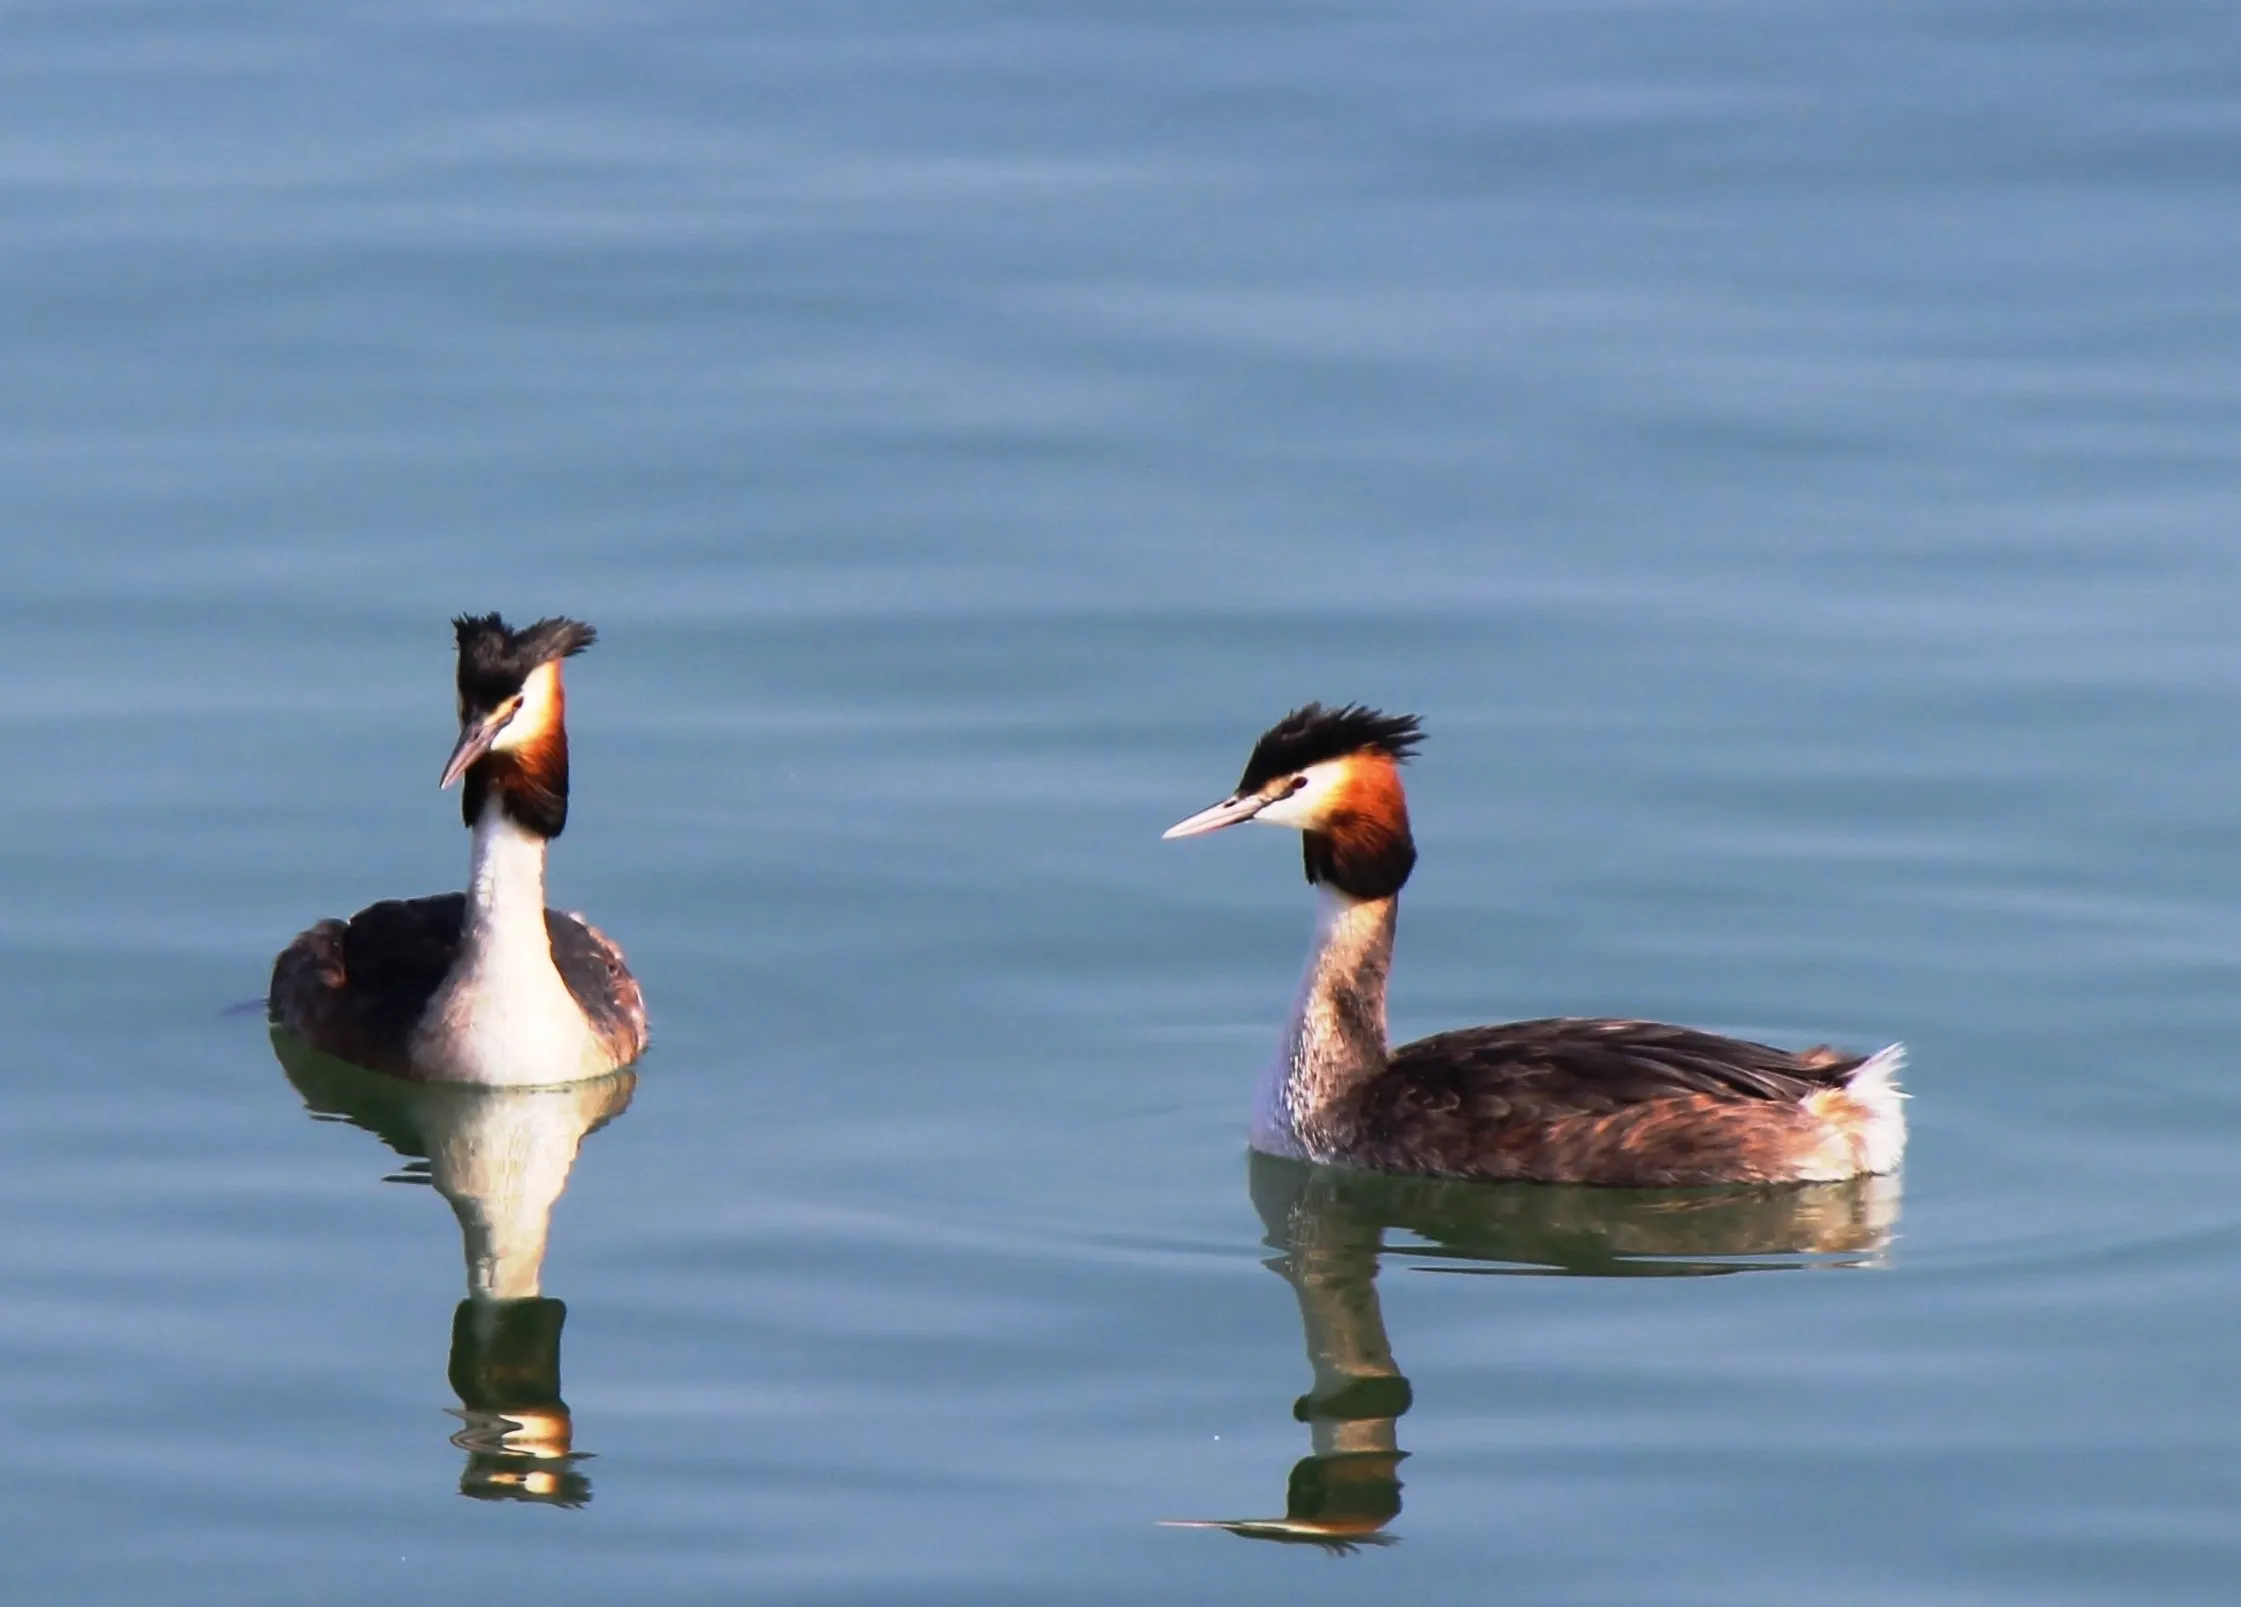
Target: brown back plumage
<point x="356" y="989"/>
<point x="1594" y="1101"/>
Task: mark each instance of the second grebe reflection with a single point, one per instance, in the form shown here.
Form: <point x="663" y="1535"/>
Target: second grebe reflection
<point x="1328" y="1228"/>
<point x="501" y="1157"/>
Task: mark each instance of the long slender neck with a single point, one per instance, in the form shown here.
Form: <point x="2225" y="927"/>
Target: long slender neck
<point x="504" y="1015"/>
<point x="1335" y="1041"/>
<point x="505" y="884"/>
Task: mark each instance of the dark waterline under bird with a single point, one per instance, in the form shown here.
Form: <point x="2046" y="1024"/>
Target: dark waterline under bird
<point x="1564" y="1100"/>
<point x="484" y="986"/>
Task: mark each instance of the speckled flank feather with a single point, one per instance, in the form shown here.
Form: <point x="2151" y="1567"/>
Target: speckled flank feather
<point x="357" y="989"/>
<point x="1627" y="1102"/>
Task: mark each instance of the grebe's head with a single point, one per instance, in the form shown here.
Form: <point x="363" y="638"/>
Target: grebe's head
<point x="512" y="715"/>
<point x="1334" y="776"/>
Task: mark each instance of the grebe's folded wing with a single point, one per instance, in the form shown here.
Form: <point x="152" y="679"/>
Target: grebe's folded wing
<point x="1579" y="1065"/>
<point x="591" y="963"/>
<point x="1590" y="1101"/>
<point x="405" y="946"/>
<point x="355" y="989"/>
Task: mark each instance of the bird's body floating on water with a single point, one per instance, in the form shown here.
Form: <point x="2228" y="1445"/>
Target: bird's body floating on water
<point x="487" y="986"/>
<point x="1566" y="1100"/>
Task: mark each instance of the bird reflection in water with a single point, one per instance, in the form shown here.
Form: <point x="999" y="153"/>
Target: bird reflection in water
<point x="501" y="1157"/>
<point x="1328" y="1228"/>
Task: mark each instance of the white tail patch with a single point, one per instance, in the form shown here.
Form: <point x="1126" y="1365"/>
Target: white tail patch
<point x="1869" y="1112"/>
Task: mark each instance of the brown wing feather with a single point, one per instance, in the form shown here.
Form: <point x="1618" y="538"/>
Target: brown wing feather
<point x="1595" y="1101"/>
<point x="592" y="965"/>
<point x="357" y="989"/>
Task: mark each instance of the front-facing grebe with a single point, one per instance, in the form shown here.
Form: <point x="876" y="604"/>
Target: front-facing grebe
<point x="1558" y="1101"/>
<point x="486" y="986"/>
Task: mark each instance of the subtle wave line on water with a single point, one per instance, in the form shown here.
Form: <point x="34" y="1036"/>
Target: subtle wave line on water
<point x="1787" y="461"/>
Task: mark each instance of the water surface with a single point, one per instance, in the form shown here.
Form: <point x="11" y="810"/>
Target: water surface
<point x="1786" y="456"/>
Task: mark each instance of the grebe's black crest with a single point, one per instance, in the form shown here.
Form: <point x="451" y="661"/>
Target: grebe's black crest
<point x="1313" y="734"/>
<point x="495" y="659"/>
<point x="511" y="733"/>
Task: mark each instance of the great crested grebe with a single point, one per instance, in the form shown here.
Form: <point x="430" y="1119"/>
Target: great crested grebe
<point x="486" y="986"/>
<point x="1557" y="1101"/>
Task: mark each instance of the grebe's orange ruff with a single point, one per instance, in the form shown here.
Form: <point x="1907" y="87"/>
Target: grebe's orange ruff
<point x="486" y="986"/>
<point x="1559" y="1101"/>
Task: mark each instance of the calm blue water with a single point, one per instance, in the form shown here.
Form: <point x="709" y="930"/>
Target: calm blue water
<point x="1786" y="455"/>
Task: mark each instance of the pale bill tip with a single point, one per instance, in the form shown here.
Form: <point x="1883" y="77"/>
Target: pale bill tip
<point x="1229" y="812"/>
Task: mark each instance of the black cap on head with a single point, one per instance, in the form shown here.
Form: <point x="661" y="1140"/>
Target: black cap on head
<point x="1313" y="734"/>
<point x="495" y="659"/>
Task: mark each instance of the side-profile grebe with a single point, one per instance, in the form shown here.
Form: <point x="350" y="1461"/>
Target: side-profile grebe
<point x="1557" y="1101"/>
<point x="486" y="986"/>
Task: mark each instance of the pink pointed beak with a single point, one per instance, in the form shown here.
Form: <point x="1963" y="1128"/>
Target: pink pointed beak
<point x="475" y="738"/>
<point x="1229" y="812"/>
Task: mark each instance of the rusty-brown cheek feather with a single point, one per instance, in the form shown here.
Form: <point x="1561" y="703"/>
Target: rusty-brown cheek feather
<point x="1361" y="845"/>
<point x="531" y="777"/>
